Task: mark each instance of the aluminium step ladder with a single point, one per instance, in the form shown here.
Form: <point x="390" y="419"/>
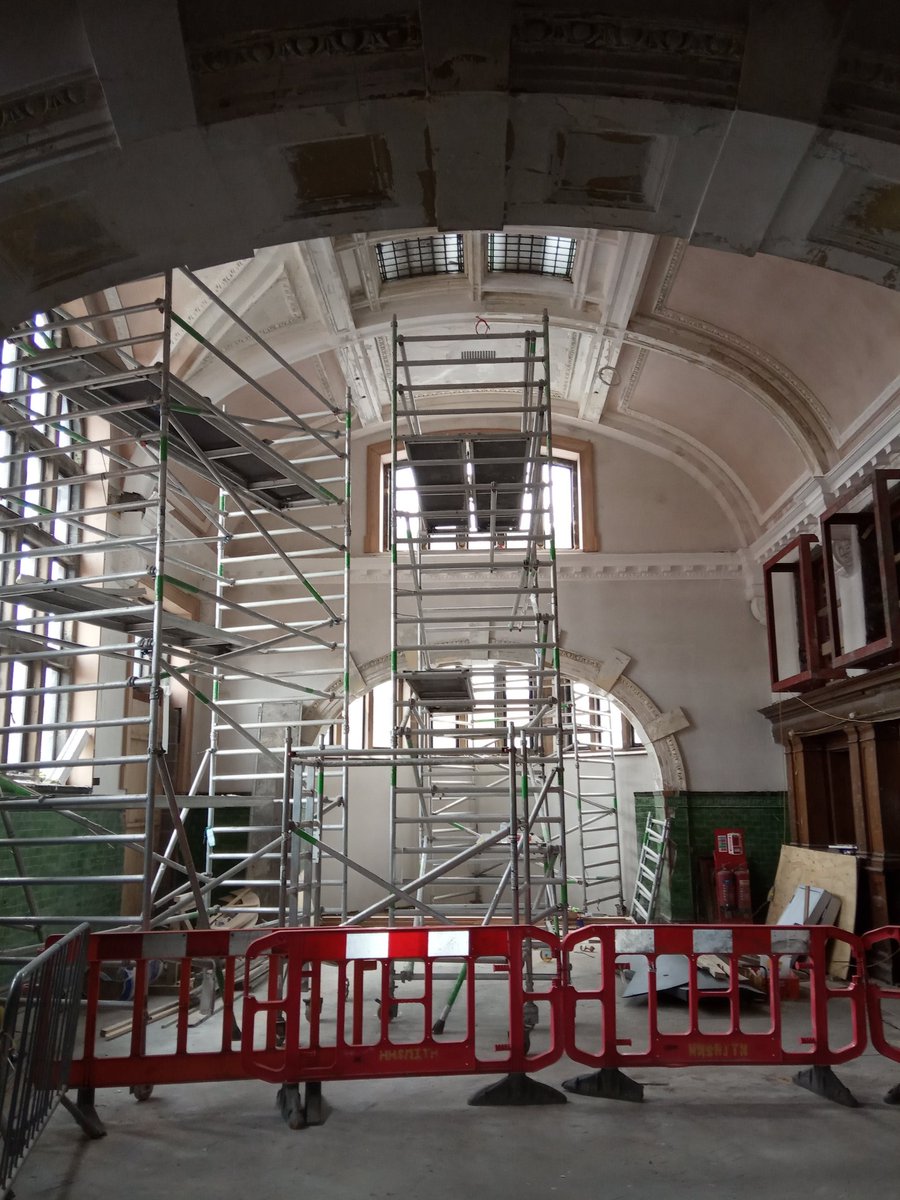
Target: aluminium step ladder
<point x="650" y="868"/>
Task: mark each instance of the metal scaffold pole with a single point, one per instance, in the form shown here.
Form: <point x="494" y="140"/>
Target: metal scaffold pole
<point x="119" y="483"/>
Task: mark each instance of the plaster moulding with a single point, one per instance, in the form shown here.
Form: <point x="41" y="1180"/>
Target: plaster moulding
<point x="589" y="568"/>
<point x="39" y="129"/>
<point x="881" y="449"/>
<point x="785" y="397"/>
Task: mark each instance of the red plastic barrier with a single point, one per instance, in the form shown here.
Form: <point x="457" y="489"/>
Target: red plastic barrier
<point x="881" y="946"/>
<point x="148" y="1053"/>
<point x="709" y="1032"/>
<point x="328" y="998"/>
<point x="333" y="1021"/>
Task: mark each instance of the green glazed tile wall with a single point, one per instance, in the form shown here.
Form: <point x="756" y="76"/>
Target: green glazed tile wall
<point x="695" y="816"/>
<point x="59" y="899"/>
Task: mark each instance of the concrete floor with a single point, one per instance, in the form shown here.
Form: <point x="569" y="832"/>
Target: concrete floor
<point x="723" y="1132"/>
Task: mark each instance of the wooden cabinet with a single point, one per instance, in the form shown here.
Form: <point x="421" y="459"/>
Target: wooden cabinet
<point x="798" y="631"/>
<point x="843" y="775"/>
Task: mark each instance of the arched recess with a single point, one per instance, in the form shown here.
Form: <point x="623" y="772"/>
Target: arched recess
<point x="608" y="675"/>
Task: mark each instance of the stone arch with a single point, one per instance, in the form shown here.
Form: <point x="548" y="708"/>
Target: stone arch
<point x="606" y="674"/>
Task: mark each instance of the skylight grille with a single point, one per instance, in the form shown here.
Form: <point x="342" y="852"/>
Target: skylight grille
<point x="531" y="254"/>
<point x="411" y="257"/>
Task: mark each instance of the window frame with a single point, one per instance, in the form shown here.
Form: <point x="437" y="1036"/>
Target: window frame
<point x="48" y="447"/>
<point x="377" y="453"/>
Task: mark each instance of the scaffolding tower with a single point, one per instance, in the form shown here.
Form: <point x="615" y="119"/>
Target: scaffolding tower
<point x="477" y="804"/>
<point x="159" y="555"/>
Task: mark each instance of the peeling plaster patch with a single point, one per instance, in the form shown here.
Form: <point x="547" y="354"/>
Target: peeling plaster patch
<point x="881" y="210"/>
<point x="49" y="242"/>
<point x="862" y="215"/>
<point x="610" y="168"/>
<point x="340" y="175"/>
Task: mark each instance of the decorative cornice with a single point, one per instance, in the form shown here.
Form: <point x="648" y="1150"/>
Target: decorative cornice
<point x="630" y="36"/>
<point x="676" y="258"/>
<point x="38" y="128"/>
<point x="30" y="110"/>
<point x="880" y="449"/>
<point x="583" y="568"/>
<point x="791" y="385"/>
<point x="308" y="42"/>
<point x="785" y="397"/>
<point x="865" y="95"/>
<point x="633" y="379"/>
<point x="622" y="55"/>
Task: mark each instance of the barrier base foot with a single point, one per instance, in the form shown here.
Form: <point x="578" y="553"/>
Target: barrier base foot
<point x="314" y="1104"/>
<point x="291" y="1106"/>
<point x="299" y="1114"/>
<point x="893" y="1096"/>
<point x="609" y="1083"/>
<point x="84" y="1113"/>
<point x="824" y="1082"/>
<point x="517" y="1089"/>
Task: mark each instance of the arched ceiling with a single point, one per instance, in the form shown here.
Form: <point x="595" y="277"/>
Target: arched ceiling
<point x="676" y="350"/>
<point x="135" y="137"/>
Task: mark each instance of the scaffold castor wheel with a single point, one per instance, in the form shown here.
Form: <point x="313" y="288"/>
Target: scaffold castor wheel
<point x="530" y="1014"/>
<point x="141" y="1091"/>
<point x="307" y="1007"/>
<point x="393" y="1012"/>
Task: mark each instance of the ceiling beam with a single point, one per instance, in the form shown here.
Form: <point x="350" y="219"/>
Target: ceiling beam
<point x="327" y="278"/>
<point x="627" y="274"/>
<point x="466" y="51"/>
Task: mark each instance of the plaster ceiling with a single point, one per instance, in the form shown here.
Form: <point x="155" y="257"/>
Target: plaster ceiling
<point x="652" y="342"/>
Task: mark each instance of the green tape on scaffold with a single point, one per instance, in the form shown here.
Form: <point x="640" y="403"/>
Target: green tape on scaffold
<point x="47" y="512"/>
<point x="182" y="584"/>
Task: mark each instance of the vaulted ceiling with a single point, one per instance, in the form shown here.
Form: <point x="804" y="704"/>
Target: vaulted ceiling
<point x="285" y="140"/>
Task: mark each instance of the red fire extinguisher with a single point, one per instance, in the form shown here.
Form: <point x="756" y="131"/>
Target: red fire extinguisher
<point x="742" y="885"/>
<point x="726" y="892"/>
<point x="732" y="876"/>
